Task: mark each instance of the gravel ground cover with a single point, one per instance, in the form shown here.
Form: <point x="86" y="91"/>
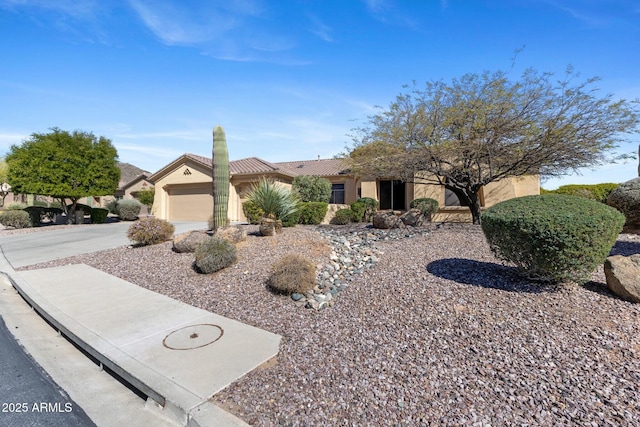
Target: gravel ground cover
<point x="436" y="333"/>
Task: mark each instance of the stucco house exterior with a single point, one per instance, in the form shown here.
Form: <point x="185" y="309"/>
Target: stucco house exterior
<point x="183" y="190"/>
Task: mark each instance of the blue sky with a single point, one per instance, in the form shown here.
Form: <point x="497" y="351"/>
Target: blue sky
<point x="287" y="79"/>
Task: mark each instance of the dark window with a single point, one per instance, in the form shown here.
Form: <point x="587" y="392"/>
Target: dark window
<point x="392" y="195"/>
<point x="337" y="194"/>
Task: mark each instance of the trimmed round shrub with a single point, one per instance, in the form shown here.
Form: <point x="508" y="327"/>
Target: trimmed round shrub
<point x="552" y="237"/>
<point x="99" y="215"/>
<point x="312" y="188"/>
<point x="149" y="231"/>
<point x="293" y="274"/>
<point x="252" y="212"/>
<point x="313" y="212"/>
<point x="111" y="206"/>
<point x="40" y="203"/>
<point x="371" y="207"/>
<point x="128" y="209"/>
<point x="342" y="217"/>
<point x="15" y="218"/>
<point x="626" y="199"/>
<point x="426" y="206"/>
<point x="214" y="255"/>
<point x="358" y="209"/>
<point x="55" y="204"/>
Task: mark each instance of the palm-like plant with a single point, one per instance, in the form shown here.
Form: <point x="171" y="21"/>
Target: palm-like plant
<point x="276" y="201"/>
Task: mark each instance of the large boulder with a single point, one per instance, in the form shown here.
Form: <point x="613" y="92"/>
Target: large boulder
<point x="623" y="276"/>
<point x="386" y="220"/>
<point x="626" y="198"/>
<point x="413" y="217"/>
<point x="189" y="241"/>
<point x="232" y="234"/>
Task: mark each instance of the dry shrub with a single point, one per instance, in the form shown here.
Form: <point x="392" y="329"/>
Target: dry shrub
<point x="293" y="274"/>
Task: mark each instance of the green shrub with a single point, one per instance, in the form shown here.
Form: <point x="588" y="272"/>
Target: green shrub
<point x="214" y="255"/>
<point x="292" y="219"/>
<point x="128" y="209"/>
<point x="40" y="203"/>
<point x="552" y="237"/>
<point x="371" y="207"/>
<point x="598" y="192"/>
<point x="426" y="205"/>
<point x="358" y="208"/>
<point x="146" y="196"/>
<point x="15" y="206"/>
<point x="111" y="206"/>
<point x="312" y="188"/>
<point x="15" y="218"/>
<point x="56" y="204"/>
<point x="293" y="273"/>
<point x="313" y="212"/>
<point x="149" y="231"/>
<point x="252" y="212"/>
<point x="342" y="217"/>
<point x="99" y="215"/>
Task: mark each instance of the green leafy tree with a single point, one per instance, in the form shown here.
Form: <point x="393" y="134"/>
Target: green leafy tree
<point x="64" y="165"/>
<point x="146" y="196"/>
<point x="312" y="188"/>
<point x="481" y="128"/>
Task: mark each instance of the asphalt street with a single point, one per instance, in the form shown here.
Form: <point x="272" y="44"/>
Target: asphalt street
<point x="28" y="395"/>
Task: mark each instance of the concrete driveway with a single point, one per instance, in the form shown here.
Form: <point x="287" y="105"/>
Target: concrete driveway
<point x="47" y="245"/>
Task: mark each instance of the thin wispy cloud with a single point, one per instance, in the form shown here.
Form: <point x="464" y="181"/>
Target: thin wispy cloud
<point x="320" y="29"/>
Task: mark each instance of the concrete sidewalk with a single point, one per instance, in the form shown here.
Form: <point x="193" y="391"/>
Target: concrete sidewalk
<point x="177" y="355"/>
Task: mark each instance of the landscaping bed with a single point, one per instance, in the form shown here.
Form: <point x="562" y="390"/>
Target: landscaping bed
<point x="437" y="332"/>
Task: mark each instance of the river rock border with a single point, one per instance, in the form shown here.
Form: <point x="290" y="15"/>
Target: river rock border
<point x="353" y="250"/>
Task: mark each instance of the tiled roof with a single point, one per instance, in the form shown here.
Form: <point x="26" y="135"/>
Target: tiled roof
<point x="254" y="165"/>
<point x="320" y="167"/>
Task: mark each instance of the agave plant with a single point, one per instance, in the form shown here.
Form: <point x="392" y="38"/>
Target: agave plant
<point x="276" y="201"/>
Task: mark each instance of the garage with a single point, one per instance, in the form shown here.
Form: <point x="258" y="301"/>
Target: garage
<point x="190" y="202"/>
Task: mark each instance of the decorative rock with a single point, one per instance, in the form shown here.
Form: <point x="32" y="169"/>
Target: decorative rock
<point x="232" y="234"/>
<point x="296" y="296"/>
<point x="188" y="242"/>
<point x="626" y="198"/>
<point x="623" y="276"/>
<point x="386" y="220"/>
<point x="413" y="218"/>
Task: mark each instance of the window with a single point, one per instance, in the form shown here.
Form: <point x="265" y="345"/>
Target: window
<point x="337" y="194"/>
<point x="392" y="195"/>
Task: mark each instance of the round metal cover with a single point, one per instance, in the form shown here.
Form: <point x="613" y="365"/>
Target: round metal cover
<point x="193" y="336"/>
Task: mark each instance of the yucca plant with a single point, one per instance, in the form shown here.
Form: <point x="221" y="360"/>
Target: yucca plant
<point x="276" y="201"/>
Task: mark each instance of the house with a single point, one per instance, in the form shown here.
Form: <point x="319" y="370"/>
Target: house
<point x="184" y="190"/>
<point x="132" y="180"/>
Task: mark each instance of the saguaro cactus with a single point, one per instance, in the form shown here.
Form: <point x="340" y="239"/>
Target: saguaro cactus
<point x="220" y="178"/>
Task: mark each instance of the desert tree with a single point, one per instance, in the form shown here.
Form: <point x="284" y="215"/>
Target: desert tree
<point x="64" y="165"/>
<point x="482" y="128"/>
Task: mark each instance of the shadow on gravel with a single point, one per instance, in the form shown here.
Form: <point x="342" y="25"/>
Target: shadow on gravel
<point x="625" y="248"/>
<point x="486" y="275"/>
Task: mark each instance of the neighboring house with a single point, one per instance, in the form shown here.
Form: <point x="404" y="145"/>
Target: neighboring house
<point x="184" y="190"/>
<point x="132" y="180"/>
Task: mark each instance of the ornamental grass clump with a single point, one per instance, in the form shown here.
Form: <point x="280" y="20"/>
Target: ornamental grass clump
<point x="214" y="254"/>
<point x="552" y="237"/>
<point x="293" y="274"/>
<point x="150" y="231"/>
